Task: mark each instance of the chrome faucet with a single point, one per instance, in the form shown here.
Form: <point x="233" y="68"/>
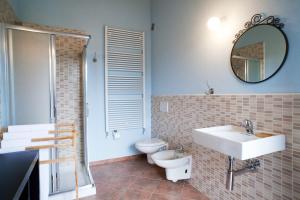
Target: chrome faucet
<point x="248" y="125"/>
<point x="179" y="149"/>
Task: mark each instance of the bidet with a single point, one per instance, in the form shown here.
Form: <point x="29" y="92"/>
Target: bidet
<point x="178" y="165"/>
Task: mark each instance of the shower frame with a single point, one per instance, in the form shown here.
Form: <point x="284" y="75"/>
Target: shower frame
<point x="6" y="32"/>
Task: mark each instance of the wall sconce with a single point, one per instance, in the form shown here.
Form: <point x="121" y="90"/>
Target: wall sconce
<point x="214" y="23"/>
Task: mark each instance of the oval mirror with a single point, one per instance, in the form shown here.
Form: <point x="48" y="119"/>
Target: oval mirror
<point x="259" y="53"/>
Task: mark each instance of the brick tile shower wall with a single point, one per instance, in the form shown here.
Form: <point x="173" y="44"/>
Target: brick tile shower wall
<point x="279" y="174"/>
<point x="69" y="90"/>
<point x="7" y="14"/>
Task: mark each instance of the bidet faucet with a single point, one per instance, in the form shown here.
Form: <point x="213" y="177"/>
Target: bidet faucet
<point x="179" y="149"/>
<point x="248" y="125"/>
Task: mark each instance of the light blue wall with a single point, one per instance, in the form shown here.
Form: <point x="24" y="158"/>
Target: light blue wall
<point x="186" y="54"/>
<point x="91" y="16"/>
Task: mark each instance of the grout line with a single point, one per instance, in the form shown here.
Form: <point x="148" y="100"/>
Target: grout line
<point x="155" y="190"/>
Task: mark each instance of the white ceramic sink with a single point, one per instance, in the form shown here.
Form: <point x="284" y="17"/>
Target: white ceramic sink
<point x="233" y="141"/>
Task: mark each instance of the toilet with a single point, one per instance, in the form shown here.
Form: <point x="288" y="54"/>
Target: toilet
<point x="150" y="146"/>
<point x="178" y="165"/>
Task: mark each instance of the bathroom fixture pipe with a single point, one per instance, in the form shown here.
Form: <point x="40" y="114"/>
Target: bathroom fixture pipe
<point x="163" y="148"/>
<point x="251" y="166"/>
<point x="229" y="177"/>
<point x="210" y="90"/>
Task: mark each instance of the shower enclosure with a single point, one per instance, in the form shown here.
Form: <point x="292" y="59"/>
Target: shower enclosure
<point x="43" y="80"/>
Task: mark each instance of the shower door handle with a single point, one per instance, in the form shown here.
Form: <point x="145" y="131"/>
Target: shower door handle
<point x="87" y="111"/>
<point x="54" y="113"/>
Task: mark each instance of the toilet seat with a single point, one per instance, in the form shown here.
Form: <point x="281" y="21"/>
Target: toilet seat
<point x="152" y="142"/>
<point x="150" y="146"/>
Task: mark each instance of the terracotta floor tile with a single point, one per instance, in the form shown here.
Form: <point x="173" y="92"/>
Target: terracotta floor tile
<point x="100" y="178"/>
<point x="137" y="180"/>
<point x="132" y="194"/>
<point x="190" y="193"/>
<point x="106" y="192"/>
<point x="120" y="181"/>
<point x="104" y="172"/>
<point x="154" y="173"/>
<point x="145" y="184"/>
<point x="169" y="188"/>
<point x="109" y="195"/>
<point x="134" y="170"/>
<point x="165" y="197"/>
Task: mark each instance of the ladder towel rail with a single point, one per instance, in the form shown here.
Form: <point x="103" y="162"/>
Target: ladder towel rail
<point x="124" y="80"/>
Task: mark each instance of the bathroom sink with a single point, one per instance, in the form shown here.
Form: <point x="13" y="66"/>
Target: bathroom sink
<point x="234" y="141"/>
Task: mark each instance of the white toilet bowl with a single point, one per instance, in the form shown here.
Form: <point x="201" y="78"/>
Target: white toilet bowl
<point x="150" y="146"/>
<point x="178" y="165"/>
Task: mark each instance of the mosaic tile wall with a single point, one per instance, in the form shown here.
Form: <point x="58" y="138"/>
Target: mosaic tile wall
<point x="69" y="88"/>
<point x="7" y="14"/>
<point x="279" y="174"/>
<point x="255" y="51"/>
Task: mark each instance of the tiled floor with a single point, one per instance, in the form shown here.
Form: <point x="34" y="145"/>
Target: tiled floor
<point x="137" y="180"/>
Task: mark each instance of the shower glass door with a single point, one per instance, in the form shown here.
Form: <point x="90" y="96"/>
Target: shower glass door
<point x="29" y="78"/>
<point x="29" y="93"/>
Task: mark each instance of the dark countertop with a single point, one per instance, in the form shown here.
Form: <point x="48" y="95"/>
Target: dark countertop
<point x="15" y="170"/>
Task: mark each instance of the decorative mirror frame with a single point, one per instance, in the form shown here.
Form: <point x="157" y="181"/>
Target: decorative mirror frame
<point x="257" y="20"/>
